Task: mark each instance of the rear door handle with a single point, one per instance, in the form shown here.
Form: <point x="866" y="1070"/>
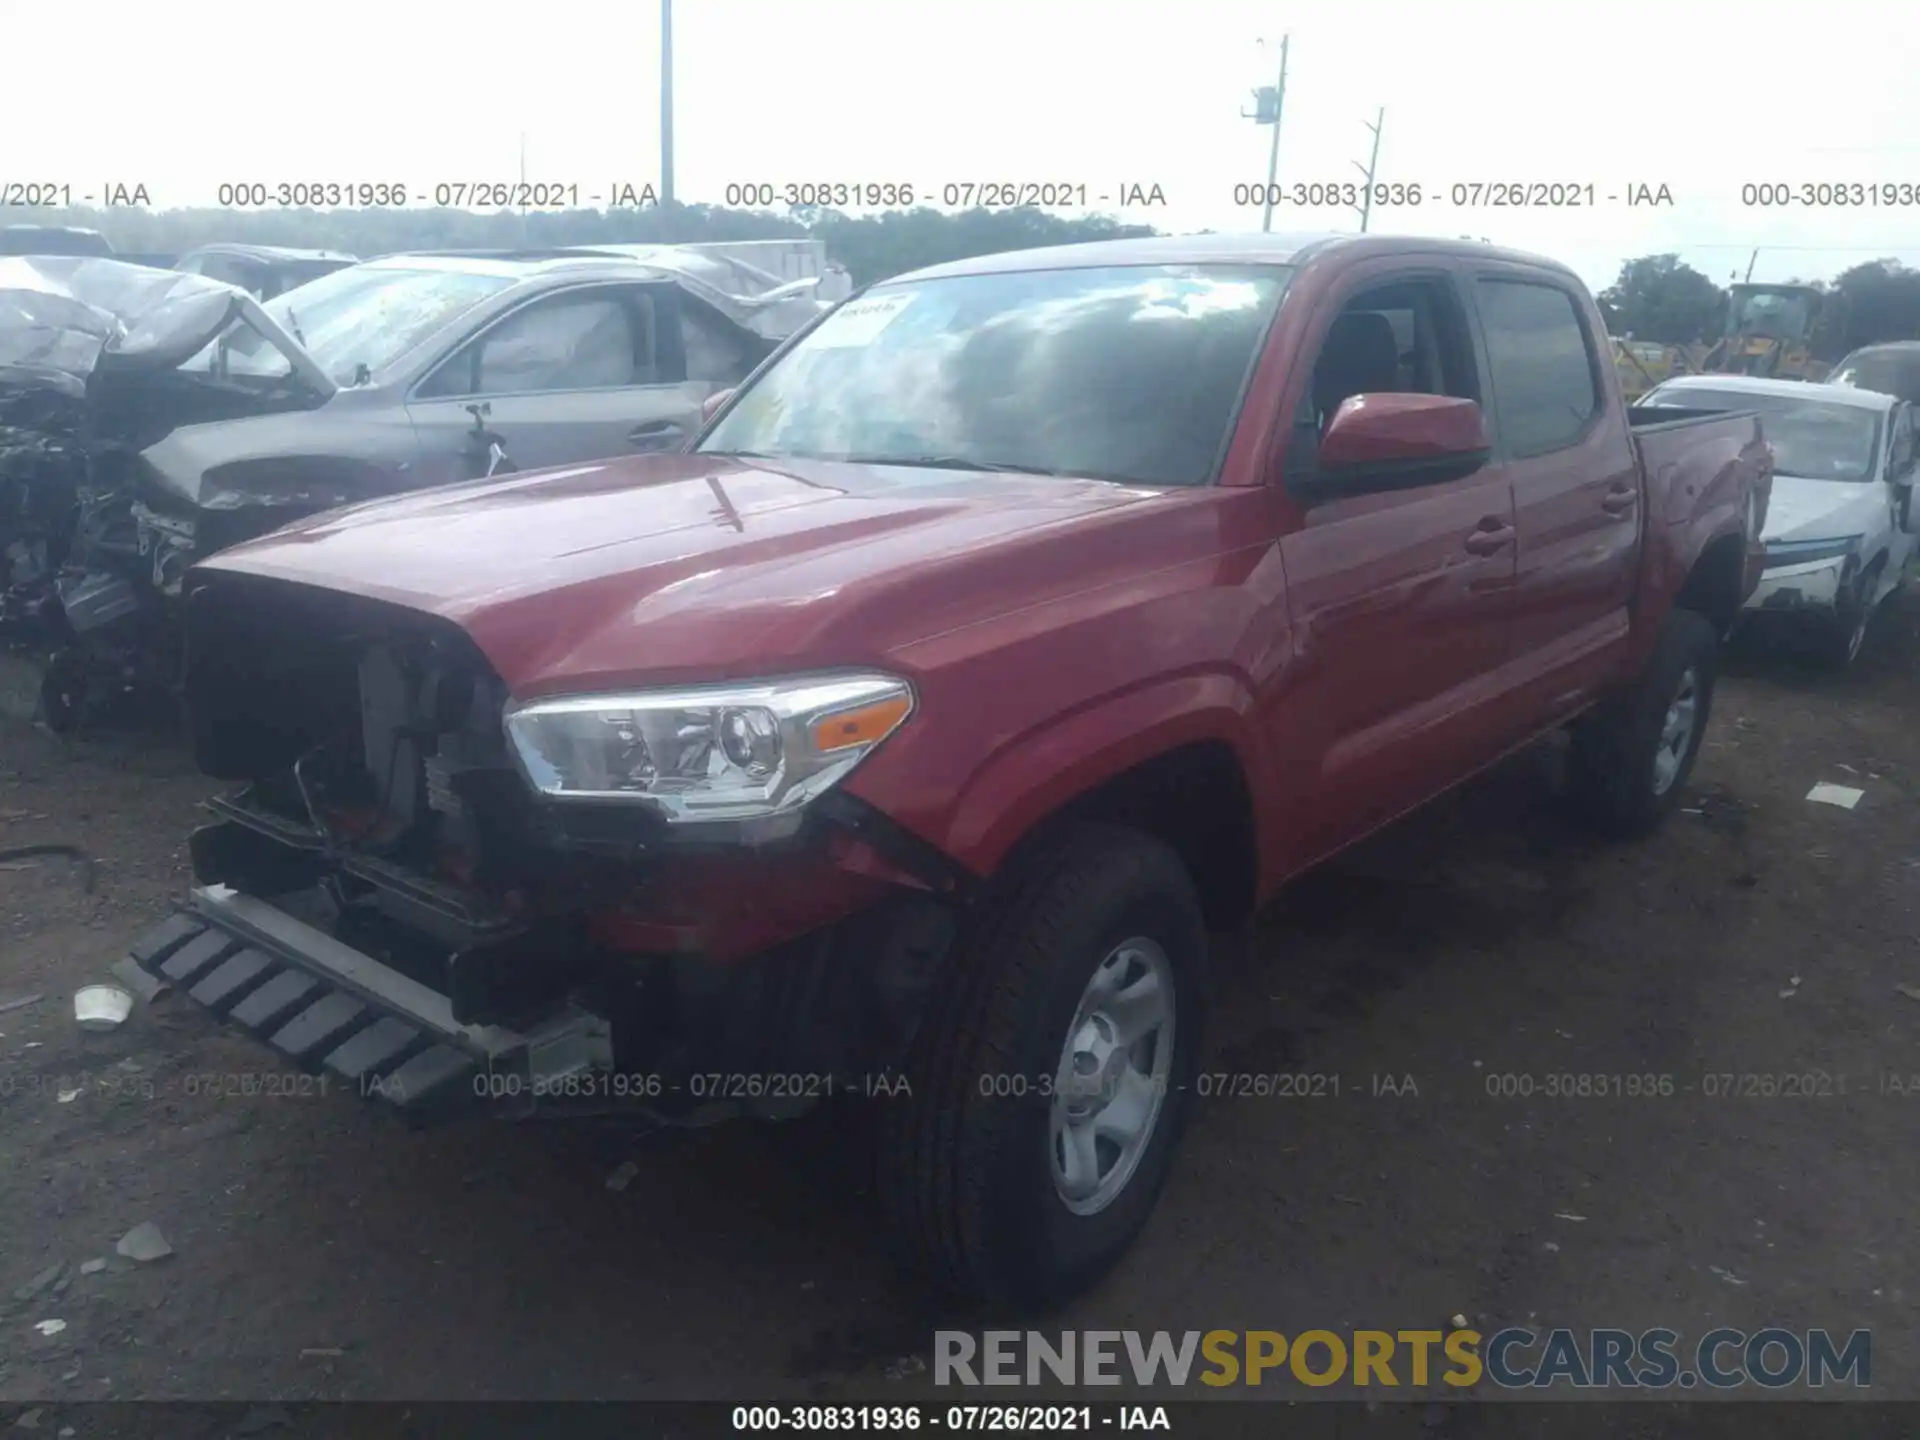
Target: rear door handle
<point x="1619" y="502"/>
<point x="654" y="430"/>
<point x="1489" y="538"/>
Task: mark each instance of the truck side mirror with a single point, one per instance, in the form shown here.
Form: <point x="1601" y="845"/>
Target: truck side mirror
<point x="1398" y="441"/>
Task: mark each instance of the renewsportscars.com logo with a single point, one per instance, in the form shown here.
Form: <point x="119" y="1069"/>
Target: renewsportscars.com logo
<point x="1515" y="1358"/>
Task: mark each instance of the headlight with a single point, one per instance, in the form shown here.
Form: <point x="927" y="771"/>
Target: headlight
<point x="710" y="752"/>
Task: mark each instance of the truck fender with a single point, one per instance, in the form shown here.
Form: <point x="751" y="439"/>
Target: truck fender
<point x="1048" y="766"/>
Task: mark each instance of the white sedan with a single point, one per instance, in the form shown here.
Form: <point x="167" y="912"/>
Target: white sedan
<point x="1842" y="523"/>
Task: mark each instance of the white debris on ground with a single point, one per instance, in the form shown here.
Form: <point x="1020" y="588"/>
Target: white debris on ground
<point x="1845" y="796"/>
<point x="144" y="1243"/>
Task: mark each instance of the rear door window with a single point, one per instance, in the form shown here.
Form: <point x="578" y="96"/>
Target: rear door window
<point x="1546" y="385"/>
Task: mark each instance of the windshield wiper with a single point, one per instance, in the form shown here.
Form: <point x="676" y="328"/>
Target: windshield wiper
<point x="951" y="462"/>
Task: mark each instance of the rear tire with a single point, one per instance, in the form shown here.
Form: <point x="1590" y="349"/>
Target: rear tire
<point x="994" y="1192"/>
<point x="1632" y="756"/>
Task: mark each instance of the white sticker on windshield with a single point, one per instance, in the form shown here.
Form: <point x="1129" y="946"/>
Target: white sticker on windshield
<point x="858" y="321"/>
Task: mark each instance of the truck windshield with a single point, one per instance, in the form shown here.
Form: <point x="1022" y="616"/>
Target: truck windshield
<point x="1772" y="314"/>
<point x="1814" y="439"/>
<point x="1125" y="373"/>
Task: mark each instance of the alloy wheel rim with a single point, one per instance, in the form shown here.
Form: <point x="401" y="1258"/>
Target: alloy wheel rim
<point x="1111" y="1081"/>
<point x="1676" y="731"/>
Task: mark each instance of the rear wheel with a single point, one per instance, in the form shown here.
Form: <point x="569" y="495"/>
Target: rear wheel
<point x="1050" y="1079"/>
<point x="1631" y="757"/>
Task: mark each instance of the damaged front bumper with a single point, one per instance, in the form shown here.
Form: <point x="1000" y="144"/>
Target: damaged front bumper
<point x="1814" y="585"/>
<point x="327" y="1007"/>
<point x="533" y="1025"/>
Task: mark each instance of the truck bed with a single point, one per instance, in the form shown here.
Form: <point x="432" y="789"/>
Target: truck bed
<point x="1695" y="460"/>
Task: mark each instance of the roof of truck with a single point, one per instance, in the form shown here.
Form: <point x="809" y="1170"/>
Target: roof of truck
<point x="1760" y="385"/>
<point x="1222" y="249"/>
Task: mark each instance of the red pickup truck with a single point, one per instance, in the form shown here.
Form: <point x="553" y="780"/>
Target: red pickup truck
<point x="1011" y="629"/>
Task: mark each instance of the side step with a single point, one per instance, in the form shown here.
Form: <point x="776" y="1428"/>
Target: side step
<point x="327" y="1007"/>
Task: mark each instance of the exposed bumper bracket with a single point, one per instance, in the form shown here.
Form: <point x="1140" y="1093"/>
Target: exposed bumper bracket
<point x="327" y="1007"/>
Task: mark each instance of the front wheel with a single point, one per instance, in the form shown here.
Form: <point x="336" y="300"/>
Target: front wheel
<point x="1049" y="1082"/>
<point x="1843" y="637"/>
<point x="1631" y="757"/>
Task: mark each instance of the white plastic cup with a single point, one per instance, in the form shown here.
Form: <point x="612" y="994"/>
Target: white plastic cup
<point x="101" y="1007"/>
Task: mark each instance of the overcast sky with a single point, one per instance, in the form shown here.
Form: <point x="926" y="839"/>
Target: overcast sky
<point x="1698" y="95"/>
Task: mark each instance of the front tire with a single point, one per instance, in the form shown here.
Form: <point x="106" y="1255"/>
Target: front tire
<point x="1050" y="1079"/>
<point x="1631" y="757"/>
<point x="1842" y="639"/>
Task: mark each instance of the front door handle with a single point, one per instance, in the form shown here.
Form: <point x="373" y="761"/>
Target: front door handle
<point x="654" y="430"/>
<point x="1491" y="537"/>
<point x="1620" y="502"/>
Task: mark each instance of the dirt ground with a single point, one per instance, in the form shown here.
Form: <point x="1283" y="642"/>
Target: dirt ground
<point x="322" y="1251"/>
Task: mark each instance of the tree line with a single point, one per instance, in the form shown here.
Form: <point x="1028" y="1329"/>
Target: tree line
<point x="1656" y="297"/>
<point x="1662" y="299"/>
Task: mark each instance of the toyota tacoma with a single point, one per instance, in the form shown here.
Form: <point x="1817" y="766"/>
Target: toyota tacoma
<point x="1012" y="628"/>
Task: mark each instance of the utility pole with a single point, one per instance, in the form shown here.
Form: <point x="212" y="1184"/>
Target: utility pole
<point x="1752" y="260"/>
<point x="1365" y="207"/>
<point x="1273" y="148"/>
<point x="666" y="102"/>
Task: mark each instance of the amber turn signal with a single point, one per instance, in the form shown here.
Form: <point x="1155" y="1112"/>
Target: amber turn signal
<point x="863" y="726"/>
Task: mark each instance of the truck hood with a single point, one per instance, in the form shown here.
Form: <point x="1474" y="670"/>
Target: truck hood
<point x="1803" y="509"/>
<point x="662" y="569"/>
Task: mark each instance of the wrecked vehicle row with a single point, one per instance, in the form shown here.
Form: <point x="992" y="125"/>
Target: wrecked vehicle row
<point x="153" y="417"/>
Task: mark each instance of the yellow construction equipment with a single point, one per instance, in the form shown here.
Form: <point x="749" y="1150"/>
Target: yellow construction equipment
<point x="1642" y="365"/>
<point x="1769" y="331"/>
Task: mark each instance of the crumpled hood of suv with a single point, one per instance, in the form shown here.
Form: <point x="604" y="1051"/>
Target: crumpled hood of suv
<point x="660" y="569"/>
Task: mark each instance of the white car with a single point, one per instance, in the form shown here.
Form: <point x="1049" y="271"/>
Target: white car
<point x="1842" y="523"/>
